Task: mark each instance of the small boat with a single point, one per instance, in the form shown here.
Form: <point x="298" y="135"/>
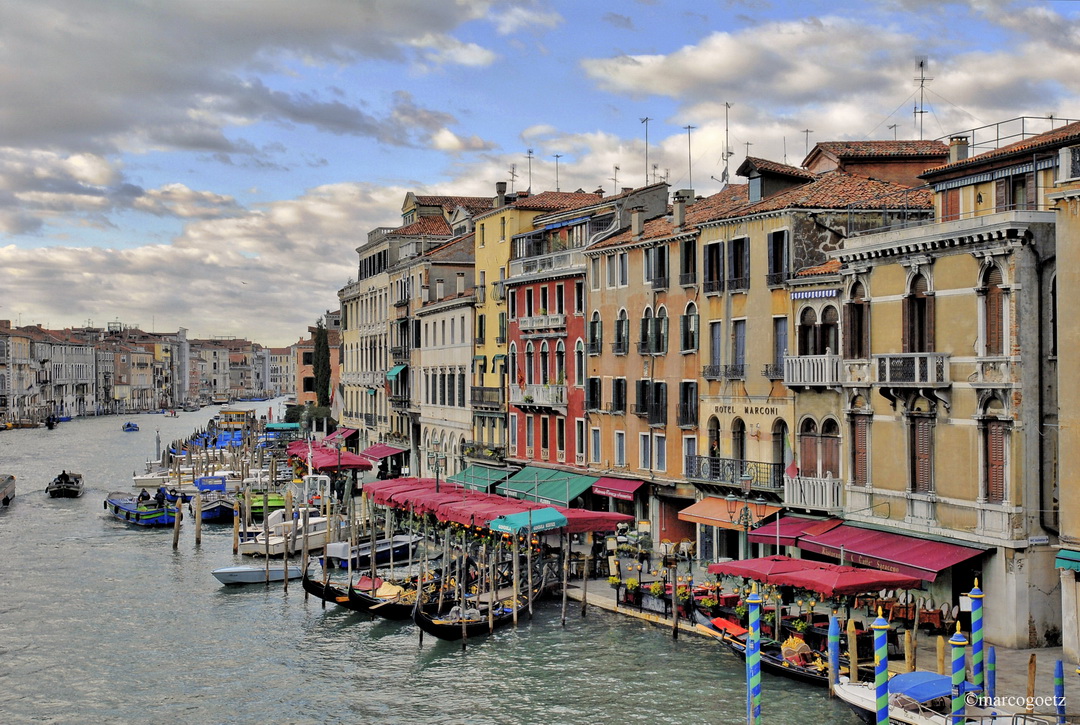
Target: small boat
<point x="281" y="535"/>
<point x="66" y="485"/>
<point x="915" y="698"/>
<point x="338" y="592"/>
<point x="472" y="619"/>
<point x="216" y="502"/>
<point x="172" y="495"/>
<point x="398" y="548"/>
<point x="7" y="489"/>
<point x="130" y="427"/>
<point x="141" y="511"/>
<point x="249" y="574"/>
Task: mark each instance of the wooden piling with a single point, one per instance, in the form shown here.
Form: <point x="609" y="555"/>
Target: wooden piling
<point x="585" y="585"/>
<point x="853" y="651"/>
<point x="235" y="526"/>
<point x="198" y="515"/>
<point x="176" y="520"/>
<point x="1031" y="684"/>
<point x="266" y="534"/>
<point x="941" y="655"/>
<point x="517" y="580"/>
<point x="909" y="652"/>
<point x="565" y="573"/>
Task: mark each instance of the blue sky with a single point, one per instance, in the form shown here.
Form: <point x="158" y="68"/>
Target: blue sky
<point x="215" y="164"/>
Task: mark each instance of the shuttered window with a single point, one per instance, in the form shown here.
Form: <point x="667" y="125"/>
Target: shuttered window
<point x="861" y="452"/>
<point x="950" y="205"/>
<point x="857" y="325"/>
<point x="994" y="457"/>
<point x="995" y="314"/>
<point x="922" y="455"/>
<point x="808" y="445"/>
<point x="830" y="449"/>
<point x="918" y="317"/>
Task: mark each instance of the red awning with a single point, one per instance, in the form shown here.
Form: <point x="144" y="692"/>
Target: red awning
<point x="339" y="433"/>
<point x="831" y="580"/>
<point x="791" y="529"/>
<point x="620" y="488"/>
<point x="762" y="569"/>
<point x="325" y="459"/>
<point x="887" y="551"/>
<point x="380" y="451"/>
<point x="713" y="511"/>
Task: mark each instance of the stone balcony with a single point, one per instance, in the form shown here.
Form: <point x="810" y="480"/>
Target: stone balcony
<point x="541" y="395"/>
<point x="818" y="494"/>
<point x="807" y="371"/>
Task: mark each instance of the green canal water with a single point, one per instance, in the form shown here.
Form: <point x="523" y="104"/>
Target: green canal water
<point x="105" y="623"/>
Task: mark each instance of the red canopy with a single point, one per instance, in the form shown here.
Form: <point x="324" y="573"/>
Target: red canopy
<point x="324" y="459"/>
<point x="833" y="580"/>
<point x="764" y="569"/>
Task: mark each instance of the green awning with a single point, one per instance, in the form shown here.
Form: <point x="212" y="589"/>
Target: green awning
<point x="479" y="478"/>
<point x="546" y="485"/>
<point x="535" y="520"/>
<point x="393" y="372"/>
<point x="1067" y="560"/>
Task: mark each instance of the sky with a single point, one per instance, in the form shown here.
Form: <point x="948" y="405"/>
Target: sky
<point x="214" y="164"/>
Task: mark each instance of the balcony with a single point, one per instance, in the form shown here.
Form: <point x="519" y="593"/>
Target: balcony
<point x="369" y="420"/>
<point x="616" y="408"/>
<point x="924" y="373"/>
<point x="808" y="371"/>
<point x="562" y="259"/>
<point x="481" y="451"/>
<point x="399" y="402"/>
<point x="773" y="371"/>
<point x="401" y="302"/>
<point x="657" y="415"/>
<point x="712" y="286"/>
<point x="481" y="294"/>
<point x="400" y="354"/>
<point x="729" y="472"/>
<point x="713" y="372"/>
<point x="498" y="291"/>
<point x="688" y="279"/>
<point x="620" y="347"/>
<point x="371" y="378"/>
<point x="542" y="395"/>
<point x="593" y="347"/>
<point x="640" y="409"/>
<point x="819" y="494"/>
<point x="542" y="322"/>
<point x="775" y="279"/>
<point x="733" y="372"/>
<point x="738" y="284"/>
<point x="488" y="398"/>
<point x="660" y="283"/>
<point x="688" y="414"/>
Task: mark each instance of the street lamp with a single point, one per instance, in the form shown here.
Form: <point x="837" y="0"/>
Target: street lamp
<point x="437" y="459"/>
<point x="744" y="517"/>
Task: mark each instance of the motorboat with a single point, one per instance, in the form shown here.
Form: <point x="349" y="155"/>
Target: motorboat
<point x="7" y="489"/>
<point x="251" y="574"/>
<point x="915" y="698"/>
<point x="396" y="548"/>
<point x="66" y="485"/>
<point x="130" y="427"/>
<point x="216" y="503"/>
<point x="281" y="536"/>
<point x="141" y="511"/>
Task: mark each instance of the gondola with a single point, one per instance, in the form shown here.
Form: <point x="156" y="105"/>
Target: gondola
<point x="335" y="592"/>
<point x="449" y="626"/>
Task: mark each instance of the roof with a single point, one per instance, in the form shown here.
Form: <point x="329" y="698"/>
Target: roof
<point x="711" y="207"/>
<point x="425" y="226"/>
<point x="840" y="190"/>
<point x="753" y="163"/>
<point x="1058" y="137"/>
<point x="555" y="201"/>
<point x="449" y="203"/>
<point x="876" y="149"/>
<point x="830" y="267"/>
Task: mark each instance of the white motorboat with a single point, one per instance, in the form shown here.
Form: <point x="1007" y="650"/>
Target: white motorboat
<point x="250" y="574"/>
<point x="337" y="552"/>
<point x="278" y="537"/>
<point x="915" y="698"/>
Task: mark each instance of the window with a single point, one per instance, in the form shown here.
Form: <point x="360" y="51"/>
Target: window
<point x="918" y="317"/>
<point x="579" y="363"/>
<point x="594" y="452"/>
<point x="560" y="363"/>
<point x="544" y="360"/>
<point x="829" y="334"/>
<point x="714" y="268"/>
<point x="545" y="433"/>
<point x="860" y="454"/>
<point x="511" y="302"/>
<point x="461" y="389"/>
<point x="778" y="259"/>
<point x="808" y="448"/>
<point x="618" y="395"/>
<point x="620" y="448"/>
<point x="624" y="269"/>
<point x="513" y="420"/>
<point x="544" y="300"/>
<point x="644" y="451"/>
<point x="596" y="334"/>
<point x="528" y="303"/>
<point x="579" y="297"/>
<point x="688" y="404"/>
<point x="857" y="324"/>
<point x="994" y="313"/>
<point x="688" y="262"/>
<point x="738" y="342"/>
<point x="515" y="371"/>
<point x="593" y="391"/>
<point x="579" y="439"/>
<point x="739" y="265"/>
<point x="994" y="431"/>
<point x="530" y="364"/>
<point x="922" y="453"/>
<point x="595" y="274"/>
<point x="480" y="327"/>
<point x="830" y="448"/>
<point x="560" y="303"/>
<point x="502" y="328"/>
<point x="621" y="345"/>
<point x="660" y="452"/>
<point x="950" y="205"/>
<point x="688" y="329"/>
<point x="530" y="433"/>
<point x="309" y="358"/>
<point x="560" y="436"/>
<point x="612" y="271"/>
<point x="779" y="343"/>
<point x="656" y="267"/>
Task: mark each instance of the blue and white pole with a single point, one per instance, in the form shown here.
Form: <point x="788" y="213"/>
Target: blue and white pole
<point x="881" y="668"/>
<point x="834" y="649"/>
<point x="991" y="672"/>
<point x="958" y="642"/>
<point x="753" y="660"/>
<point x="976" y="635"/>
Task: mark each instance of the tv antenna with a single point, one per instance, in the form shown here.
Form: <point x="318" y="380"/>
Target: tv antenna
<point x="806" y="132"/>
<point x="529" y="155"/>
<point x="689" y="157"/>
<point x="513" y="176"/>
<point x="646" y="122"/>
<point x="893" y="127"/>
<point x="615" y="180"/>
<point x="557" y="157"/>
<point x="727" y="147"/>
<point x="922" y="79"/>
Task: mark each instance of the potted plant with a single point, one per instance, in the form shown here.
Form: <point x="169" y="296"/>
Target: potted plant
<point x="657" y="588"/>
<point x="614" y="581"/>
<point x="709" y="603"/>
<point x="800" y="625"/>
<point x="633" y="591"/>
<point x="741" y="609"/>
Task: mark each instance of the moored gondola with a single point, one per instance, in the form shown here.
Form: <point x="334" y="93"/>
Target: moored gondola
<point x="475" y="619"/>
<point x="335" y="592"/>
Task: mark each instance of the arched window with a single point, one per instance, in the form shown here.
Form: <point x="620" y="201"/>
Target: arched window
<point x="560" y="362"/>
<point x="738" y="441"/>
<point x="829" y="335"/>
<point x="830" y="448"/>
<point x="516" y="375"/>
<point x="645" y="341"/>
<point x="529" y="364"/>
<point x="661" y="325"/>
<point x="596" y="333"/>
<point x="860" y="420"/>
<point x="544" y="369"/>
<point x="808" y="332"/>
<point x="996" y="429"/>
<point x="857" y="324"/>
<point x="779" y="446"/>
<point x="918" y="314"/>
<point x="713" y="429"/>
<point x="622" y="334"/>
<point x="688" y="328"/>
<point x="808" y="448"/>
<point x="579" y="363"/>
<point x="994" y="313"/>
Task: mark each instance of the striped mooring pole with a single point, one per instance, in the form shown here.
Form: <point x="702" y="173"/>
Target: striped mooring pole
<point x="753" y="660"/>
<point x="834" y="649"/>
<point x="991" y="672"/>
<point x="1059" y="691"/>
<point x="881" y="668"/>
<point x="959" y="643"/>
<point x="976" y="595"/>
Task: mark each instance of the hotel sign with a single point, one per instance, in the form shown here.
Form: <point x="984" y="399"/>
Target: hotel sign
<point x="746" y="410"/>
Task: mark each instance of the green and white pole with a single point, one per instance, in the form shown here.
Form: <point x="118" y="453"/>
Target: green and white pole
<point x="881" y="668"/>
<point x="753" y="660"/>
<point x="958" y="642"/>
<point x="991" y="672"/>
<point x="1059" y="691"/>
<point x="834" y="649"/>
<point x="976" y="635"/>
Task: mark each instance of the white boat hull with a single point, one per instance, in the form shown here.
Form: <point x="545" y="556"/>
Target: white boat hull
<point x="248" y="574"/>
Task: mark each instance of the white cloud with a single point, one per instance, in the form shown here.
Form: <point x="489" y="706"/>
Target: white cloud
<point x="517" y="18"/>
<point x="443" y="50"/>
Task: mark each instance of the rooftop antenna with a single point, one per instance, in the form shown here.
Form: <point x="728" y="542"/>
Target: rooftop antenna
<point x="529" y="155"/>
<point x="513" y="176"/>
<point x="646" y="122"/>
<point x="922" y="79"/>
<point x="893" y="127"/>
<point x="748" y="144"/>
<point x="807" y="132"/>
<point x="655" y="167"/>
<point x="785" y="149"/>
<point x="557" y="157"/>
<point x="615" y="180"/>
<point x="727" y="147"/>
<point x="689" y="157"/>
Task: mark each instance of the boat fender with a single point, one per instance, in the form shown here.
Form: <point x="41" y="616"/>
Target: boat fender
<point x="105" y="505"/>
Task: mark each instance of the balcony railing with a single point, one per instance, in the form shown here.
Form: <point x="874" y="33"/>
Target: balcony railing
<point x="491" y="398"/>
<point x="371" y="377"/>
<point x="562" y="259"/>
<point x="730" y="472"/>
<point x="399" y="401"/>
<point x="620" y="347"/>
<point x="400" y="353"/>
<point x="713" y="372"/>
<point x="661" y="282"/>
<point x="738" y="284"/>
<point x="687" y="279"/>
<point x="712" y="286"/>
<point x="775" y="279"/>
<point x="593" y="347"/>
<point x="541" y="322"/>
<point x="813" y="370"/>
<point x="538" y="394"/>
<point x="617" y="407"/>
<point x="369" y="420"/>
<point x="640" y="409"/>
<point x="480" y="450"/>
<point x="913" y="369"/>
<point x="773" y="371"/>
<point x="657" y="414"/>
<point x="733" y="372"/>
<point x="823" y="494"/>
<point x="688" y="414"/>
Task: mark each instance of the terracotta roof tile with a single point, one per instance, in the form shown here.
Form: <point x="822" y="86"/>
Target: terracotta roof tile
<point x="426" y="226"/>
<point x="707" y="209"/>
<point x="1059" y="136"/>
<point x="555" y="201"/>
<point x="449" y="203"/>
<point x="871" y="149"/>
<point x="775" y="167"/>
<point x="840" y="190"/>
<point x="830" y="267"/>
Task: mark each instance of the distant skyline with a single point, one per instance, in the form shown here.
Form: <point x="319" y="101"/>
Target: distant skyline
<point x="214" y="165"/>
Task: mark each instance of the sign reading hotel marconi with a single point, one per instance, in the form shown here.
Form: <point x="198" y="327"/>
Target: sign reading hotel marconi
<point x="747" y="410"/>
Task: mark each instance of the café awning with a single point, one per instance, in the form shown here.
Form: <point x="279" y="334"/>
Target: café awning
<point x="1067" y="559"/>
<point x="479" y="478"/>
<point x="380" y="451"/>
<point x="888" y="551"/>
<point x="791" y="529"/>
<point x="620" y="488"/>
<point x="338" y="434"/>
<point x="713" y="511"/>
<point x="546" y="485"/>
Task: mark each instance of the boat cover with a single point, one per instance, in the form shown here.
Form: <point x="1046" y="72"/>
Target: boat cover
<point x="926" y="686"/>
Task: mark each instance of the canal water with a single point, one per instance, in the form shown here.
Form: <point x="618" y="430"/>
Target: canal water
<point x="101" y="622"/>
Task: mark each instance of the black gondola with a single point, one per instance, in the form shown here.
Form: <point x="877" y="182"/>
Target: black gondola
<point x="449" y="626"/>
<point x="333" y="593"/>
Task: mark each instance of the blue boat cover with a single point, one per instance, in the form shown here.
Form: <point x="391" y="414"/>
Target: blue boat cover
<point x="543" y="519"/>
<point x="210" y="483"/>
<point x="926" y="686"/>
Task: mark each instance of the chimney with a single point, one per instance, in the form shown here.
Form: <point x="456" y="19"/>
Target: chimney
<point x="461" y="283"/>
<point x="500" y="194"/>
<point x="637" y="221"/>
<point x="678" y="211"/>
<point x="627" y="189"/>
<point x="958" y="148"/>
<point x="439" y="289"/>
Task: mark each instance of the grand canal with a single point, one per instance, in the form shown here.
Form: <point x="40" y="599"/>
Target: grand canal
<point x="104" y="623"/>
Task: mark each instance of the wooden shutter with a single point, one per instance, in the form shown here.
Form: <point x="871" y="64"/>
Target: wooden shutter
<point x="772" y="258"/>
<point x="1031" y="186"/>
<point x="746" y="262"/>
<point x="995" y="314"/>
<point x="1001" y="195"/>
<point x="950" y="205"/>
<point x="830" y="455"/>
<point x="861" y="449"/>
<point x="808" y="442"/>
<point x="995" y="461"/>
<point x="922" y="456"/>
